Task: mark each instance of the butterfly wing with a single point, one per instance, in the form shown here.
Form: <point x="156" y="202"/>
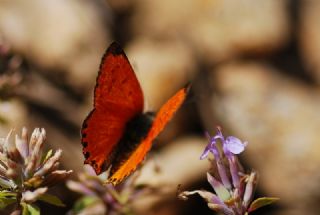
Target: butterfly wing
<point x="117" y="99"/>
<point x="166" y="112"/>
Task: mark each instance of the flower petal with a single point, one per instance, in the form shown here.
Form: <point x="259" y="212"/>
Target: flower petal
<point x="219" y="134"/>
<point x="80" y="188"/>
<point x="218" y="187"/>
<point x="35" y="150"/>
<point x="234" y="145"/>
<point x="206" y="195"/>
<point x="22" y="146"/>
<point x="49" y="164"/>
<point x="211" y="147"/>
<point x="205" y="153"/>
<point x="249" y="190"/>
<point x="32" y="196"/>
<point x="11" y="149"/>
<point x="223" y="209"/>
<point x="234" y="171"/>
<point x="56" y="177"/>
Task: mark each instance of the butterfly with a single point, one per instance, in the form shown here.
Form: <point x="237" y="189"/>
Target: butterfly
<point x="116" y="134"/>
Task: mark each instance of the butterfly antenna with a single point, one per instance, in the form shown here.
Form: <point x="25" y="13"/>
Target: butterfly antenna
<point x="187" y="87"/>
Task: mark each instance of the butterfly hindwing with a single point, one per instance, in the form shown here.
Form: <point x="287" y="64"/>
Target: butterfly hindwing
<point x="166" y="112"/>
<point x="117" y="99"/>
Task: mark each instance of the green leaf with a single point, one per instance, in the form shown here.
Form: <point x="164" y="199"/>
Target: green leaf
<point x="24" y="208"/>
<point x="261" y="202"/>
<point x="84" y="202"/>
<point x="51" y="199"/>
<point x="7" y="194"/>
<point x="4" y="202"/>
<point x="29" y="209"/>
<point x="7" y="198"/>
<point x="48" y="155"/>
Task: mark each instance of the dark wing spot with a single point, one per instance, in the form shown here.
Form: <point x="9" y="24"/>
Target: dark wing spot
<point x="84" y="135"/>
<point x="84" y="144"/>
<point x="115" y="49"/>
<point x="84" y="125"/>
<point x="86" y="155"/>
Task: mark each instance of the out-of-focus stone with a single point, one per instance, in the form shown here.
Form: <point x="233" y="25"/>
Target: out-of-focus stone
<point x="172" y="160"/>
<point x="178" y="164"/>
<point x="60" y="35"/>
<point x="120" y="5"/>
<point x="72" y="157"/>
<point x="217" y="29"/>
<point x="280" y="119"/>
<point x="310" y="36"/>
<point x="13" y="115"/>
<point x="162" y="68"/>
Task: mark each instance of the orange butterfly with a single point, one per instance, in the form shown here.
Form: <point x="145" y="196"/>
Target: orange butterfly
<point x="116" y="132"/>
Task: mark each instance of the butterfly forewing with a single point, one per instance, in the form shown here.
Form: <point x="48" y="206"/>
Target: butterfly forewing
<point x="117" y="85"/>
<point x="117" y="99"/>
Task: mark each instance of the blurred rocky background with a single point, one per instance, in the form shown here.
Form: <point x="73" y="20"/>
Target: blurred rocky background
<point x="254" y="68"/>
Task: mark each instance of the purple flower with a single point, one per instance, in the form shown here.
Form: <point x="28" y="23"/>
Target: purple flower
<point x="231" y="146"/>
<point x="101" y="198"/>
<point x="211" y="147"/>
<point x="27" y="171"/>
<point x="228" y="199"/>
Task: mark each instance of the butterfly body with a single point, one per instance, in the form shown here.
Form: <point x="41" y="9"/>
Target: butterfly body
<point x="117" y="133"/>
<point x="136" y="131"/>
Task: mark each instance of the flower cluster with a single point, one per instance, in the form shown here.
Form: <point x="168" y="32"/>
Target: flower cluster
<point x="233" y="188"/>
<point x="101" y="198"/>
<point x="26" y="172"/>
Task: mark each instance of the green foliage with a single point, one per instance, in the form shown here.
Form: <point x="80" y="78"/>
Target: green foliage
<point x="261" y="202"/>
<point x="47" y="156"/>
<point x="51" y="199"/>
<point x="30" y="209"/>
<point x="84" y="202"/>
<point x="7" y="198"/>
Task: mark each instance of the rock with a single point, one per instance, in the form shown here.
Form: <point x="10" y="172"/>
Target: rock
<point x="161" y="67"/>
<point x="171" y="161"/>
<point x="13" y="115"/>
<point x="309" y="34"/>
<point x="218" y="29"/>
<point x="178" y="163"/>
<point x="280" y="119"/>
<point x="56" y="35"/>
